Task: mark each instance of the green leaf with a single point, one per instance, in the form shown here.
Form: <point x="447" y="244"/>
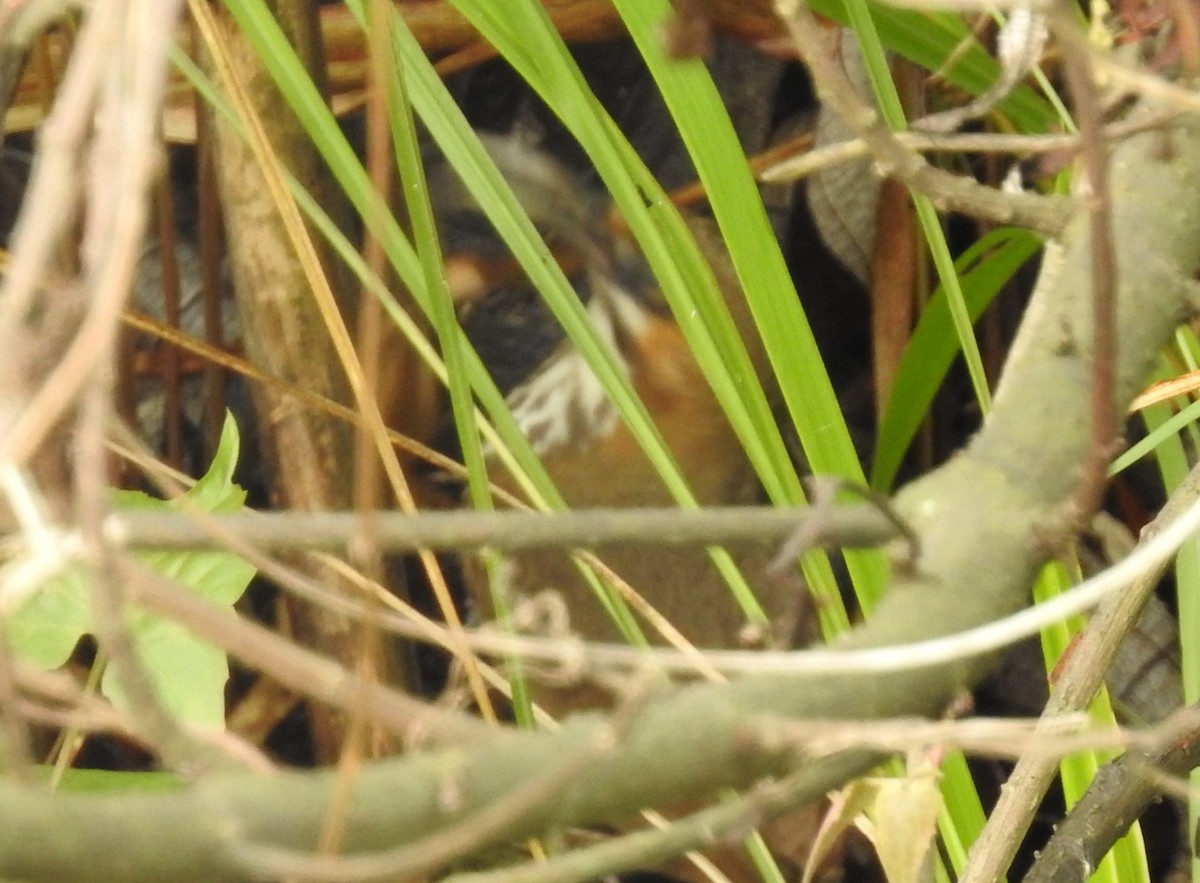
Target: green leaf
<point x="189" y="674"/>
<point x="45" y="629"/>
<point x="216" y="491"/>
<point x="984" y="269"/>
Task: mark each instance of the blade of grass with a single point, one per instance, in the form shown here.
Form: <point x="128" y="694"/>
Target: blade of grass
<point x="862" y="23"/>
<point x="1163" y="430"/>
<point x="425" y="235"/>
<point x="962" y="817"/>
<point x="347" y="252"/>
<point x="479" y="174"/>
<point x="983" y="270"/>
<point x="1166" y="423"/>
<point x="1173" y="465"/>
<point x="698" y="112"/>
<point x="1126" y="861"/>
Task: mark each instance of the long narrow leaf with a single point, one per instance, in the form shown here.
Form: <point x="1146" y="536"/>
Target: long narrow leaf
<point x="983" y="270"/>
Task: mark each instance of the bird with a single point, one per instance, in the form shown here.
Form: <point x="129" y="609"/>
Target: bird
<point x="568" y="419"/>
<point x="592" y="457"/>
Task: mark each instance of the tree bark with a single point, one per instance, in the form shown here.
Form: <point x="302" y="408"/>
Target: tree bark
<point x="307" y="452"/>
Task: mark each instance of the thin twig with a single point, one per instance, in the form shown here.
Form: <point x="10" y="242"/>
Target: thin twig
<point x="39" y="539"/>
<point x="577" y="656"/>
<point x="293" y="222"/>
<point x="219" y="358"/>
<point x="16" y="756"/>
<point x="54" y="182"/>
<point x="813" y="161"/>
<point x="408" y="623"/>
<point x="1146" y="83"/>
<point x="1118" y="795"/>
<point x="580" y="657"/>
<point x="27" y="415"/>
<point x="851" y="526"/>
<point x="301" y="670"/>
<point x="363" y="549"/>
<point x="1045" y="214"/>
<point x="430" y="630"/>
<point x="990" y="737"/>
<point x="970" y="5"/>
<point x="650" y="848"/>
<point x="58" y="694"/>
<point x="130" y="95"/>
<point x="1078" y="68"/>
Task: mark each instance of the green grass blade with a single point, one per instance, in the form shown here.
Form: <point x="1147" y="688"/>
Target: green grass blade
<point x="704" y="125"/>
<point x="878" y="69"/>
<point x="1174" y="466"/>
<point x="962" y="817"/>
<point x="1156" y="437"/>
<point x="415" y="187"/>
<point x="684" y="275"/>
<point x="1126" y="861"/>
<point x="983" y="270"/>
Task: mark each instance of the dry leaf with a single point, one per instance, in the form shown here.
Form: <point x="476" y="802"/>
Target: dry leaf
<point x="902" y="822"/>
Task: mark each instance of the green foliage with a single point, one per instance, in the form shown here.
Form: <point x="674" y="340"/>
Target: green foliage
<point x="1172" y="458"/>
<point x="190" y="673"/>
<point x="984" y="269"/>
<point x="523" y="35"/>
